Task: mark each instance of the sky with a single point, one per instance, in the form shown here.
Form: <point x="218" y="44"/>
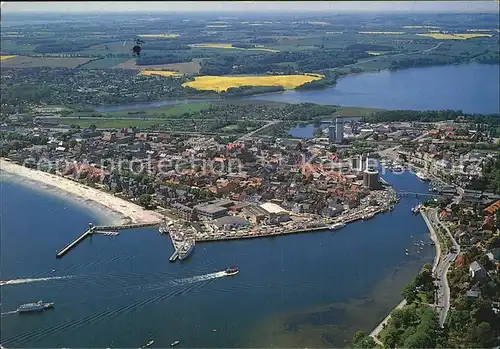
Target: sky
<point x="253" y="6"/>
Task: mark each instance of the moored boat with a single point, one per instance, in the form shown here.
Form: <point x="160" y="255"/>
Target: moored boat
<point x="421" y="175"/>
<point x="368" y="216"/>
<point x="336" y="226"/>
<point x="186" y="249"/>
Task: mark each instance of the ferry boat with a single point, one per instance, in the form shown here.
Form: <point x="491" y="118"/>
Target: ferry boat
<point x="232" y="271"/>
<point x="336" y="226"/>
<point x="186" y="249"/>
<point x="422" y="176"/>
<point x="32" y="307"/>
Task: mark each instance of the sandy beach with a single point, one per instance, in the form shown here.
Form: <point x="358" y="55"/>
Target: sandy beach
<point x="125" y="211"/>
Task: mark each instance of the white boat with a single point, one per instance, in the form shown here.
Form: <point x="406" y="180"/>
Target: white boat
<point x="174" y="343"/>
<point x="148" y="344"/>
<point x="31" y="307"/>
<point x="422" y="176"/>
<point x="186" y="249"/>
<point x="336" y="226"/>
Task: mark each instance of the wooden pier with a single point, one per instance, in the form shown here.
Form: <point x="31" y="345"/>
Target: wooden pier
<point x="74" y="243"/>
<point x="111" y="230"/>
<point x="173" y="257"/>
<point x="125" y="226"/>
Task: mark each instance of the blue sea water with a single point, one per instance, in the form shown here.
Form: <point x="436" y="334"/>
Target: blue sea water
<point x="122" y="291"/>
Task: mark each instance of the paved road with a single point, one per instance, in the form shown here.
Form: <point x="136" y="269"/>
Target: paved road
<point x="250" y="134"/>
<point x="441" y="271"/>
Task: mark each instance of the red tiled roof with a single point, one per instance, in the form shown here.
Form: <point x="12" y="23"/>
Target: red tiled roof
<point x="493" y="208"/>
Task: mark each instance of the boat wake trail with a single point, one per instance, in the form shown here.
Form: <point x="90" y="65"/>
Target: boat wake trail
<point x="9" y="312"/>
<point x="189" y="284"/>
<point x="29" y="281"/>
<point x="199" y="278"/>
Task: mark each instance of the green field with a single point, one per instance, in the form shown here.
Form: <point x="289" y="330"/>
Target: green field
<point x="104" y="63"/>
<point x="355" y="111"/>
<point x="109" y="123"/>
<point x="163" y="112"/>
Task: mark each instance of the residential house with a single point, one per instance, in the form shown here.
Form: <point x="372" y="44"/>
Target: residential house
<point x="477" y="271"/>
<point x="474" y="292"/>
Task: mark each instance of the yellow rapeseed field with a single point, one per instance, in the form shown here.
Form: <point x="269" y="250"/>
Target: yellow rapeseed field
<point x="388" y="33"/>
<point x="230" y="46"/>
<point x="159" y="72"/>
<point x="3" y="58"/>
<point x="454" y="36"/>
<point x="165" y="35"/>
<point x="222" y="83"/>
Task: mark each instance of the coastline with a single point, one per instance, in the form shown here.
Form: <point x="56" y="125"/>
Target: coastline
<point x="119" y="210"/>
<point x="437" y="256"/>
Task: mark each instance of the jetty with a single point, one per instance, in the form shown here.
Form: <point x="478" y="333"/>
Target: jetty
<point x="74" y="243"/>
<point x="109" y="230"/>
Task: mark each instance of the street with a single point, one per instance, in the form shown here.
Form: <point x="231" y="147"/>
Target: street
<point x="441" y="271"/>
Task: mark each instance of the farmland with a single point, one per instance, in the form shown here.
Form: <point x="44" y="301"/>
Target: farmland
<point x="164" y="112"/>
<point x="192" y="67"/>
<point x="247" y="54"/>
<point x="222" y="83"/>
<point x="51" y="62"/>
<point x="163" y="35"/>
<point x="230" y="46"/>
<point x="383" y="33"/>
<point x="453" y="36"/>
<point x="3" y="58"/>
<point x="159" y="72"/>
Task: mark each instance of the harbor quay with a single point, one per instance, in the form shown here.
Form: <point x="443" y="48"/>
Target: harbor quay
<point x="184" y="233"/>
<point x="210" y="230"/>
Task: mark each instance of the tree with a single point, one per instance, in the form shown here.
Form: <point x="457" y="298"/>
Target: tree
<point x="409" y="293"/>
<point x="144" y="200"/>
<point x="419" y="339"/>
<point x="318" y="132"/>
<point x="481" y="336"/>
<point x="92" y="127"/>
